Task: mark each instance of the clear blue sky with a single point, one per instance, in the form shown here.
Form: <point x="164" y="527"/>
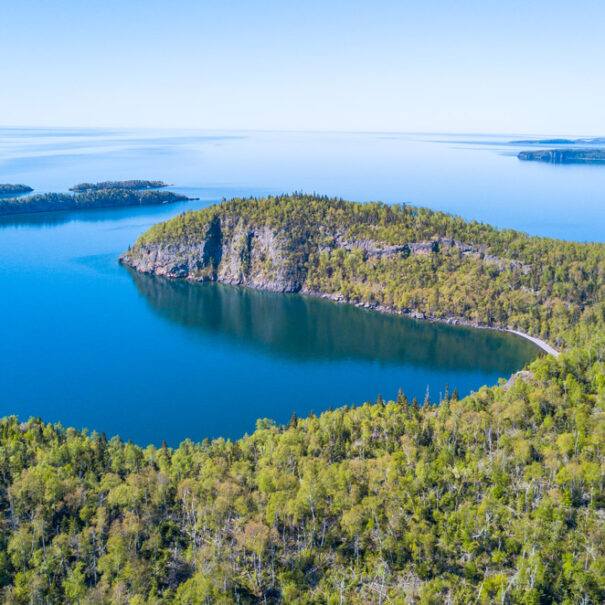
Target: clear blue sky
<point x="466" y="66"/>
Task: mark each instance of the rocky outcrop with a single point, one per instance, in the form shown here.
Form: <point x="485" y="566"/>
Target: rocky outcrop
<point x="231" y="251"/>
<point x="427" y="247"/>
<point x="524" y="375"/>
<point x="228" y="251"/>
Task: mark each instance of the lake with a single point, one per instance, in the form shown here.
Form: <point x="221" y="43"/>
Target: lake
<point x="89" y="343"/>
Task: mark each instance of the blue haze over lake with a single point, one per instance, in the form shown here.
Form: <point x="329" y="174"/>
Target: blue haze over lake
<point x="91" y="344"/>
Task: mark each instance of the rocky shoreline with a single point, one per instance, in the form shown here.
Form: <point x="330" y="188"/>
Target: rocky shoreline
<point x="338" y="298"/>
<point x="452" y="320"/>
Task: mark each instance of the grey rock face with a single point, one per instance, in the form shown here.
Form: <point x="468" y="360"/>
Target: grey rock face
<point x="230" y="252"/>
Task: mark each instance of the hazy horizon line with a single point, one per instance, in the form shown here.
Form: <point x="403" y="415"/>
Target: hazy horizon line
<point x="295" y="130"/>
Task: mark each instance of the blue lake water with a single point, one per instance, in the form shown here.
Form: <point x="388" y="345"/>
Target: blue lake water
<point x="88" y="343"/>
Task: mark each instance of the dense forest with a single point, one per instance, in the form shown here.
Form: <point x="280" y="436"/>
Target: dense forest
<point x="104" y="198"/>
<point x="495" y="498"/>
<point x="131" y="185"/>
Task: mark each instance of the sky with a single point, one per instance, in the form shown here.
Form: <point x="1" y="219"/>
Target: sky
<point x="409" y="66"/>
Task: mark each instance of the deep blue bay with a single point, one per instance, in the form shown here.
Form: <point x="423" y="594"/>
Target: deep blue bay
<point x="88" y="343"/>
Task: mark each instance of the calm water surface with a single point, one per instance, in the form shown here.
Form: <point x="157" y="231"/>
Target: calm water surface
<point x="90" y="344"/>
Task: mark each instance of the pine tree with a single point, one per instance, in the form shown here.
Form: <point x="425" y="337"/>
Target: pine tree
<point x="401" y="398"/>
<point x="293" y="421"/>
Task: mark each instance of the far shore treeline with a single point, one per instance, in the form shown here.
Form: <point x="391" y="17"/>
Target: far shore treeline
<point x="107" y="194"/>
<point x="6" y="189"/>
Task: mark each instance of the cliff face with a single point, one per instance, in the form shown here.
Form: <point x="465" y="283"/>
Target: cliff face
<point x="229" y="251"/>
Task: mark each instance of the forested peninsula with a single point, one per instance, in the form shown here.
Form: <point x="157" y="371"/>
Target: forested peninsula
<point x="495" y="498"/>
<point x="103" y="198"/>
<point x="394" y="258"/>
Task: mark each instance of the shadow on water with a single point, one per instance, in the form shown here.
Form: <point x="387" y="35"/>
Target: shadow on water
<point x="310" y="329"/>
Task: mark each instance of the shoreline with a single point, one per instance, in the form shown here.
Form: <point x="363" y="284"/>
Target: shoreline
<point x="548" y="349"/>
<point x="337" y="298"/>
<point x="454" y="321"/>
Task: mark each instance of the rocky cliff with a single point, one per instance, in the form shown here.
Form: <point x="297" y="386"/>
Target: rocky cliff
<point x="228" y="250"/>
<point x="231" y="248"/>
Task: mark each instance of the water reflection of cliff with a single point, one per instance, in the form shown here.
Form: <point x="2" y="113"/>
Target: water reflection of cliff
<point x="305" y="328"/>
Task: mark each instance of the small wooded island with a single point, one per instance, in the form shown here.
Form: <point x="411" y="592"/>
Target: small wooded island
<point x="14" y="189"/>
<point x="564" y="156"/>
<point x="115" y="195"/>
<point x="131" y="185"/>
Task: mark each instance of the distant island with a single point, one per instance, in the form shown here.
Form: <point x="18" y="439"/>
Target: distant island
<point x="14" y="189"/>
<point x="132" y="185"/>
<point x="587" y="141"/>
<point x="104" y="198"/>
<point x="564" y="156"/>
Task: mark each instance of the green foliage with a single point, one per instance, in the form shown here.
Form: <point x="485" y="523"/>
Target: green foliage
<point x="14" y="189"/>
<point x="131" y="185"/>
